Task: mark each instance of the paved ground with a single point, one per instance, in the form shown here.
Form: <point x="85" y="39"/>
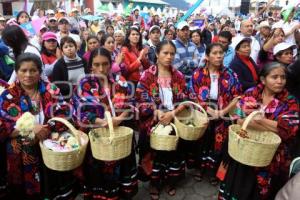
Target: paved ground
<point x="188" y="189"/>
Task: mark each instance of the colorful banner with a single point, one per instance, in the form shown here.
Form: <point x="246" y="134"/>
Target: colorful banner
<point x="28" y="28"/>
<point x="190" y="11"/>
<point x="199" y="22"/>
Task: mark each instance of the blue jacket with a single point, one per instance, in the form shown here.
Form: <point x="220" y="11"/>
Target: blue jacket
<point x="243" y="72"/>
<point x="6" y="64"/>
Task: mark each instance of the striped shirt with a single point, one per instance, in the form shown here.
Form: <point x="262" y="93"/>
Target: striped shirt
<point x="75" y="69"/>
<point x="187" y="58"/>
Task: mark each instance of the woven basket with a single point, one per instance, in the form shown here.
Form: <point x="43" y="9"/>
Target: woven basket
<point x="200" y="120"/>
<point x="112" y="143"/>
<point x="258" y="150"/>
<point x="65" y="161"/>
<point x="164" y="142"/>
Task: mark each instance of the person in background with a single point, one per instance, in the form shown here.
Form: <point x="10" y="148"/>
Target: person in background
<point x="108" y="42"/>
<point x="52" y="24"/>
<point x="119" y="36"/>
<point x="137" y="18"/>
<point x="135" y="56"/>
<point x="288" y="24"/>
<point x="23" y="17"/>
<point x="69" y="68"/>
<point x="281" y="116"/>
<point x="154" y="40"/>
<point x="14" y="37"/>
<point x="2" y="24"/>
<point x="187" y="55"/>
<point x="110" y="30"/>
<point x="243" y="65"/>
<point x="209" y="33"/>
<point x="247" y="29"/>
<point x="264" y="32"/>
<point x="84" y="34"/>
<point x="100" y="34"/>
<point x="6" y="63"/>
<point x="95" y="27"/>
<point x="75" y="20"/>
<point x="169" y="35"/>
<point x="283" y="53"/>
<point x="159" y="90"/>
<point x="96" y="94"/>
<point x="266" y="52"/>
<point x="197" y="39"/>
<point x="225" y="38"/>
<point x="50" y="52"/>
<point x="50" y="13"/>
<point x="64" y="30"/>
<point x="92" y="43"/>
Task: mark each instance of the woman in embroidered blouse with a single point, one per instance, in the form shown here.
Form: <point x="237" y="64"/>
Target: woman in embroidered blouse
<point x="281" y="116"/>
<point x="160" y="88"/>
<point x="28" y="94"/>
<point x="108" y="42"/>
<point x="243" y="65"/>
<point x="95" y="94"/>
<point x="216" y="88"/>
<point x="135" y="55"/>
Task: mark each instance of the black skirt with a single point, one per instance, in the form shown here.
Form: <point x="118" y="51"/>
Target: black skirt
<point x="114" y="180"/>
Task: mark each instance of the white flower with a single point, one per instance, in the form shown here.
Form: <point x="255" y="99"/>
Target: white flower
<point x="25" y="124"/>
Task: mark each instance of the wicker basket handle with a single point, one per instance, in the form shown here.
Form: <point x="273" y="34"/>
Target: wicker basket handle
<point x="195" y="104"/>
<point x="69" y="125"/>
<point x="249" y="118"/>
<point x="110" y="126"/>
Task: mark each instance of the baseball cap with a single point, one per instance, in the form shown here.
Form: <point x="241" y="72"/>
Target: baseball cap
<point x="50" y="12"/>
<point x="182" y="24"/>
<point x="239" y="40"/>
<point x="264" y="24"/>
<point x="283" y="46"/>
<point x="52" y="18"/>
<point x="48" y="36"/>
<point x="154" y="27"/>
<point x="43" y="27"/>
<point x="63" y="19"/>
<point x="74" y="10"/>
<point x="61" y="11"/>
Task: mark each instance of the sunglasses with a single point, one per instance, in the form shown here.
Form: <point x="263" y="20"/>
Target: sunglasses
<point x="52" y="21"/>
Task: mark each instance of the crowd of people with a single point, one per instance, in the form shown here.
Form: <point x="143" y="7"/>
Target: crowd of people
<point x="140" y="72"/>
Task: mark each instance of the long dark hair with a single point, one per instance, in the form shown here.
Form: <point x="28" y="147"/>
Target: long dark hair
<point x="46" y="51"/>
<point x="104" y="38"/>
<point x="99" y="52"/>
<point x="26" y="57"/>
<point x="14" y="37"/>
<point x="19" y="15"/>
<point x="127" y="42"/>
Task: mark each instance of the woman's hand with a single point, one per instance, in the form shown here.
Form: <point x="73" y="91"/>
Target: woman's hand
<point x="58" y="53"/>
<point x="41" y="131"/>
<point x="166" y="118"/>
<point x="101" y="122"/>
<point x="120" y="58"/>
<point x="116" y="121"/>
